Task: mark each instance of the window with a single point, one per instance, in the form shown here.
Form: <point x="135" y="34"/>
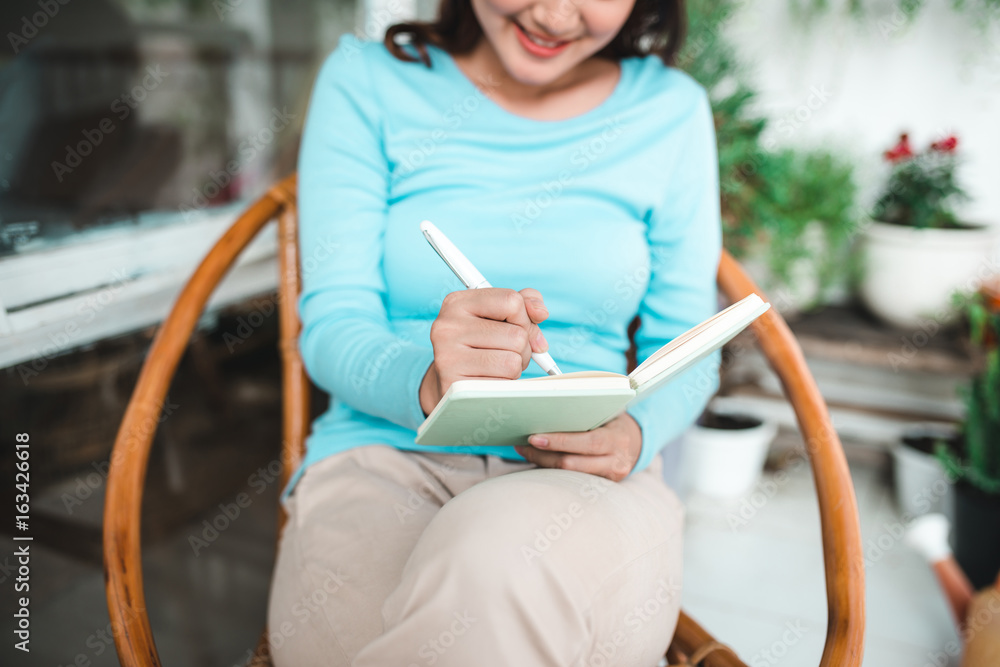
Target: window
<point x="132" y="132"/>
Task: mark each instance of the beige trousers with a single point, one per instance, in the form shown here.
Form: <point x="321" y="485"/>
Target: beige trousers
<point x="401" y="559"/>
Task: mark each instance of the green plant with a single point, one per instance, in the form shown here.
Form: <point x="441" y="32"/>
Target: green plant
<point x="905" y="12"/>
<point x="814" y="187"/>
<point x="922" y="188"/>
<point x="978" y="459"/>
<point x="769" y="196"/>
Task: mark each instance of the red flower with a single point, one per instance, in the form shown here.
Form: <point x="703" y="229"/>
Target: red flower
<point x="946" y="145"/>
<point x="900" y="151"/>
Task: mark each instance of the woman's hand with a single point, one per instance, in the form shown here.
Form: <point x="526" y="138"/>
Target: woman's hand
<point x="482" y="334"/>
<point x="609" y="451"/>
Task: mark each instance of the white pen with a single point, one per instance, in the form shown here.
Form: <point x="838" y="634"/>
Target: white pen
<point x="472" y="279"/>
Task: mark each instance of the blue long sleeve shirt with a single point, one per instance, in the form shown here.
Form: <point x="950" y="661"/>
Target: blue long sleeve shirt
<point x="609" y="214"/>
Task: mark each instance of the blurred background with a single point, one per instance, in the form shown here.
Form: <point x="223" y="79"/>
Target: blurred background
<point x="860" y="162"/>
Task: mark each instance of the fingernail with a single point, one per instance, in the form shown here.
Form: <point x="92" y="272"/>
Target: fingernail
<point x="539" y="441"/>
<point x="540" y="342"/>
<point x="537" y="303"/>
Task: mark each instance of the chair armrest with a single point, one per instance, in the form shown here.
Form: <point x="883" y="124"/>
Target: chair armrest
<point x="843" y="558"/>
<point x="123" y="499"/>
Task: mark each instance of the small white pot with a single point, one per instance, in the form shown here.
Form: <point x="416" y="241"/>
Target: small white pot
<point x="910" y="274"/>
<point x="922" y="486"/>
<point x="726" y="463"/>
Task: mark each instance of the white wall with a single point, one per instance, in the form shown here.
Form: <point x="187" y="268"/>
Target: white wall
<point x="880" y="76"/>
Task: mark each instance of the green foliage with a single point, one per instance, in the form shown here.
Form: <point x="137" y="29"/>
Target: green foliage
<point x="812" y="186"/>
<point x="808" y="10"/>
<point x="769" y="197"/>
<point x="978" y="460"/>
<point x="921" y="192"/>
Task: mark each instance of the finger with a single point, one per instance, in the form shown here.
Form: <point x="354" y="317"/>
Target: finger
<point x="486" y="334"/>
<point x="537" y="312"/>
<point x="496" y="304"/>
<point x="490" y="364"/>
<point x="592" y="465"/>
<point x="537" y="340"/>
<point x="510" y="306"/>
<point x="534" y="304"/>
<point x="588" y="443"/>
<point x="501" y="305"/>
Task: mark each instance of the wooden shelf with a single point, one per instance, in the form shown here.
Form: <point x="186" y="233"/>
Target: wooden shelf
<point x="848" y="334"/>
<point x="876" y="379"/>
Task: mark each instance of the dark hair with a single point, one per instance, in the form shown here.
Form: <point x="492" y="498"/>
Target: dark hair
<point x="654" y="27"/>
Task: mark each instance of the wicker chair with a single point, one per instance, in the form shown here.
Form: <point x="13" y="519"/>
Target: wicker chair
<point x="841" y="535"/>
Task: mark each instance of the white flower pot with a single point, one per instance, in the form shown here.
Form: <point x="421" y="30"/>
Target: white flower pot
<point x="726" y="463"/>
<point x="922" y="486"/>
<point x="910" y="274"/>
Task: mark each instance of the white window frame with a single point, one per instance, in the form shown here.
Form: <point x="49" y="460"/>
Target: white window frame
<point x="117" y="280"/>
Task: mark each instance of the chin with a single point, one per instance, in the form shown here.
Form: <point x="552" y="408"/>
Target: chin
<point x="526" y="69"/>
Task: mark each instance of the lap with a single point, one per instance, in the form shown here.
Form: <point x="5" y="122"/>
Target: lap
<point x="352" y="522"/>
<point x="540" y="567"/>
<point x="540" y="521"/>
<point x="370" y="529"/>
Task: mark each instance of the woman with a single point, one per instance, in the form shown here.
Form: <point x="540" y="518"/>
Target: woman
<point x="551" y="141"/>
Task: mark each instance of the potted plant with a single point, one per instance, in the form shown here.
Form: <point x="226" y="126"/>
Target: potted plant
<point x="724" y="453"/>
<point x="787" y="214"/>
<point x="921" y="483"/>
<point x="916" y="252"/>
<point x="798" y="252"/>
<point x="976" y="464"/>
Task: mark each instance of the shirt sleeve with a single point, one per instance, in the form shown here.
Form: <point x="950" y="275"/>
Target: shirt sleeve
<point x="347" y="345"/>
<point x="685" y="241"/>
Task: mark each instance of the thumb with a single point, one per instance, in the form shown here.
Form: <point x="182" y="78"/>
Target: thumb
<point x="537" y="339"/>
<point x="537" y="312"/>
<point x="534" y="305"/>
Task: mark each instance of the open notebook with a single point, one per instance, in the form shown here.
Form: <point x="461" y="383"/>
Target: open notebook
<point x="506" y="412"/>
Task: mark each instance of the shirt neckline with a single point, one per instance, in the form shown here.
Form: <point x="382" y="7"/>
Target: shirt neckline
<point x="596" y="112"/>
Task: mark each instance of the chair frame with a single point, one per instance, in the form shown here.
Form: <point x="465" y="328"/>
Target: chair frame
<point x="841" y="535"/>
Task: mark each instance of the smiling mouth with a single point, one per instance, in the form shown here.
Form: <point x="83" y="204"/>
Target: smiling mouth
<point x="545" y="43"/>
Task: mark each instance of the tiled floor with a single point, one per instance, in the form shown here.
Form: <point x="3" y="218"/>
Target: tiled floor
<point x="753" y="575"/>
<point x="206" y="608"/>
<point x="755" y="580"/>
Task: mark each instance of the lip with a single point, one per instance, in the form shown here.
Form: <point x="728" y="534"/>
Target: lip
<point x="537" y="49"/>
